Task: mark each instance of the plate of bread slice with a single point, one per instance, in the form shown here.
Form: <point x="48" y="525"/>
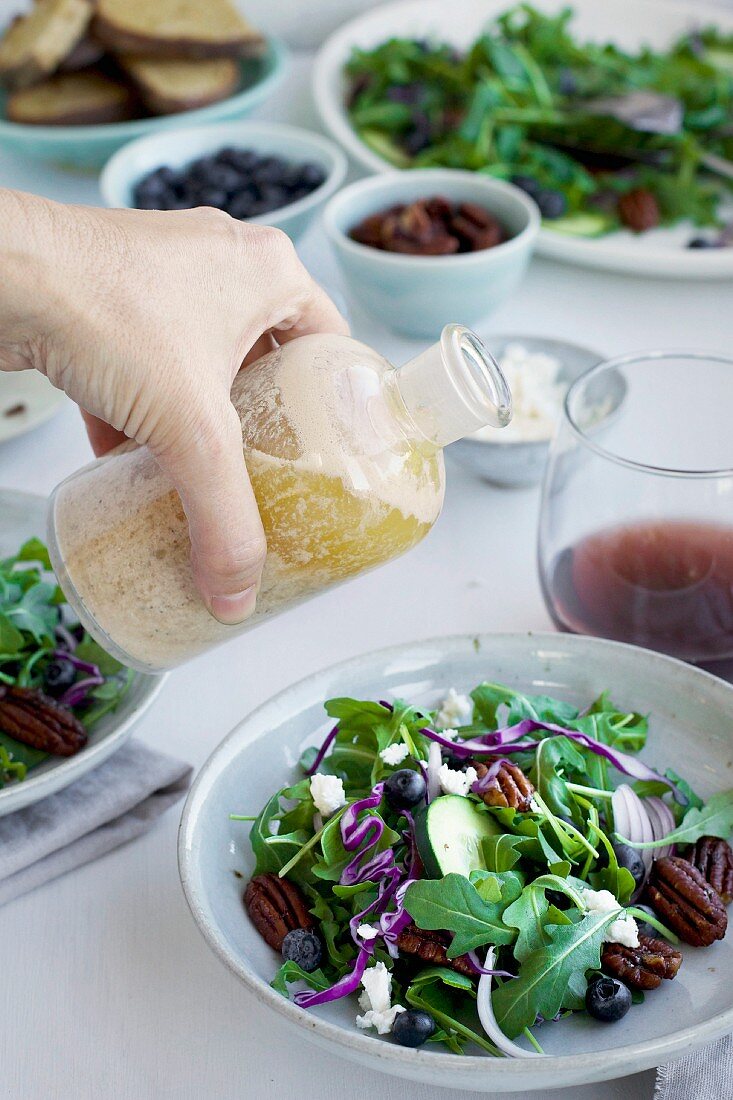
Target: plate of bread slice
<point x="78" y="78"/>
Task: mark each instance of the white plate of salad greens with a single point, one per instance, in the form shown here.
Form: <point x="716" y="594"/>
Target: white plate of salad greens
<point x="536" y="94"/>
<point x="456" y="810"/>
<point x="65" y="704"/>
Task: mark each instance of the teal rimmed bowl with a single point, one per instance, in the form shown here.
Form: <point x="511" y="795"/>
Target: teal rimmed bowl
<point x="88" y="147"/>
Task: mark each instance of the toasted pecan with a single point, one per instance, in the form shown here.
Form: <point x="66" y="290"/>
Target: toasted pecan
<point x="432" y="947"/>
<point x="641" y="967"/>
<point x="678" y="892"/>
<point x="36" y="719"/>
<point x="276" y="907"/>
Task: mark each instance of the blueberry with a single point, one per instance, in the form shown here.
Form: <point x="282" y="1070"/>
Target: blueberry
<point x="212" y="196"/>
<point x="567" y="83"/>
<point x="273" y="196"/>
<point x="607" y="999"/>
<point x="703" y="242"/>
<point x="413" y="1027"/>
<point x="406" y="93"/>
<point x="420" y="134"/>
<point x="552" y="204"/>
<point x="311" y="175"/>
<point x="302" y="946"/>
<point x="224" y="177"/>
<point x="528" y="184"/>
<point x="270" y="170"/>
<point x="632" y="860"/>
<point x="243" y="160"/>
<point x="240" y="205"/>
<point x="58" y="676"/>
<point x="199" y="169"/>
<point x="404" y="788"/>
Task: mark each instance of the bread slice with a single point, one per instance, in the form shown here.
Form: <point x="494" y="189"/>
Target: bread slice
<point x="175" y="28"/>
<point x="71" y="99"/>
<point x="35" y="44"/>
<point x="170" y="85"/>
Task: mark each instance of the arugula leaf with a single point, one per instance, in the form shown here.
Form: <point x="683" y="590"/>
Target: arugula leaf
<point x="529" y="914"/>
<point x="291" y="972"/>
<point x="552" y="977"/>
<point x="502" y="851"/>
<point x="454" y="904"/>
<point x="553" y="754"/>
<point x="271" y="850"/>
<point x="714" y="819"/>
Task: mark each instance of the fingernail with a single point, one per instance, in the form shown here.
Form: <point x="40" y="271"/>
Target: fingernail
<point x="234" y="609"/>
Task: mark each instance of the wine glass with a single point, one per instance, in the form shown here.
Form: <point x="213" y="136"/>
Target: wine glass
<point x="636" y="522"/>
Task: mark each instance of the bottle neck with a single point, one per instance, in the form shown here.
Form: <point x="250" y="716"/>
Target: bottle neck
<point x="454" y="388"/>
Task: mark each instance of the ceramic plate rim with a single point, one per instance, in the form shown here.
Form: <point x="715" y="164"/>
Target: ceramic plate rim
<point x="608" y="254"/>
<point x="17" y="796"/>
<point x="565" y="1069"/>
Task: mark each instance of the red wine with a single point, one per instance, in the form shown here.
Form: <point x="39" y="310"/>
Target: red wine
<point x="663" y="585"/>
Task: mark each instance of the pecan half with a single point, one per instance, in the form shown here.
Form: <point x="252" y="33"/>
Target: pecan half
<point x="686" y="902"/>
<point x="714" y="860"/>
<point x="34" y="718"/>
<point x="276" y="907"/>
<point x="639" y="209"/>
<point x="641" y="967"/>
<point x="475" y="227"/>
<point x="432" y="947"/>
<point x="510" y="786"/>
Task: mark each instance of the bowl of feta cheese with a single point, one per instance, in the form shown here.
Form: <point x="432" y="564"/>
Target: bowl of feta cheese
<point x="539" y="371"/>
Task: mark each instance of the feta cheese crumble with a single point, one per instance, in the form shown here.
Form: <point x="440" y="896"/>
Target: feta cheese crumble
<point x="624" y="929"/>
<point x="455" y="710"/>
<point x="375" y="1001"/>
<point x="367" y="932"/>
<point x="327" y="792"/>
<point x="537" y="396"/>
<point x="452" y="782"/>
<point x="395" y="754"/>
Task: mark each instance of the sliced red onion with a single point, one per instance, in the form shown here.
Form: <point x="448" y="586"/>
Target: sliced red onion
<point x="488" y="1020"/>
<point x="435" y="760"/>
<point x="663" y="823"/>
<point x="330" y="736"/>
<point x="64" y="635"/>
<point x="629" y="809"/>
<point x="475" y="962"/>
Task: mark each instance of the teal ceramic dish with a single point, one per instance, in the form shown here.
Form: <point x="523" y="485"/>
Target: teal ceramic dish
<point x="86" y="148"/>
<point x="418" y="295"/>
<point x="178" y="147"/>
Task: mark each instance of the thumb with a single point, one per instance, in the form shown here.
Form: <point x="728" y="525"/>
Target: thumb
<point x="228" y="545"/>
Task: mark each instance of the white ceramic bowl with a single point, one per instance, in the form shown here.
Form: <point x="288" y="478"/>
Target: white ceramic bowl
<point x="23" y="515"/>
<point x="515" y="463"/>
<point x="180" y="146"/>
<point x="418" y="295"/>
<point x="691" y="720"/>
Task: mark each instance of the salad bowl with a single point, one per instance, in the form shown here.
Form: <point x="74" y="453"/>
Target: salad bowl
<point x="660" y="252"/>
<point x="23" y="516"/>
<point x="691" y="715"/>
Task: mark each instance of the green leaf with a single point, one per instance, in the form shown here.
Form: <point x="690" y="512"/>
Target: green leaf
<point x="89" y="650"/>
<point x="271" y="850"/>
<point x="11" y="639"/>
<point x="291" y="972"/>
<point x="529" y="914"/>
<point x="20" y="753"/>
<point x="454" y="904"/>
<point x="553" y="755"/>
<point x="35" y="550"/>
<point x="714" y="819"/>
<point x="552" y="977"/>
<point x="449" y="998"/>
<point x="502" y="852"/>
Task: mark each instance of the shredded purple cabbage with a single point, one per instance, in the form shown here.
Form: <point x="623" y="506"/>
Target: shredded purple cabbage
<point x="82" y="666"/>
<point x="476" y="964"/>
<point x="308" y="998"/>
<point x="66" y="637"/>
<point x="323" y="750"/>
<point x="509" y="740"/>
<point x="488" y="781"/>
<point x="78" y="692"/>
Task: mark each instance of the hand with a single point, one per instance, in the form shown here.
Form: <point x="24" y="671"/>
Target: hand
<point x="144" y="318"/>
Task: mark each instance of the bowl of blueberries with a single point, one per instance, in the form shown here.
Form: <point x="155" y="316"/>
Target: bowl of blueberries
<point x="255" y="171"/>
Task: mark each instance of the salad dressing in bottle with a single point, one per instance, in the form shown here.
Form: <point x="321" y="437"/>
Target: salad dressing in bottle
<point x="345" y="457"/>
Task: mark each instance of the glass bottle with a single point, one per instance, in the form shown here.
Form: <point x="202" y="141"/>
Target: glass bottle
<point x="345" y="457"/>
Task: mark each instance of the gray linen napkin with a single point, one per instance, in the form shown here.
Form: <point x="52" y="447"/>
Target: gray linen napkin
<point x="117" y="801"/>
<point x="704" y="1075"/>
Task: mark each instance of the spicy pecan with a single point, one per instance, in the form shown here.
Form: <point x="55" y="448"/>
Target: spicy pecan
<point x="509" y="787"/>
<point x="641" y="967"/>
<point x="714" y="860"/>
<point x="639" y="209"/>
<point x="276" y="907"/>
<point x="412" y="230"/>
<point x="686" y="902"/>
<point x="432" y="947"/>
<point x="34" y="718"/>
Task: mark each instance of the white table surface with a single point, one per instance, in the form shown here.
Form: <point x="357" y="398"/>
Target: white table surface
<point x="107" y="988"/>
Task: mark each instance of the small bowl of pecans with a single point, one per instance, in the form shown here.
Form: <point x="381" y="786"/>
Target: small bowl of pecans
<point x="423" y="248"/>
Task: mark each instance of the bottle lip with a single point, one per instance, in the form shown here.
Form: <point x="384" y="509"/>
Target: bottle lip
<point x="484" y="388"/>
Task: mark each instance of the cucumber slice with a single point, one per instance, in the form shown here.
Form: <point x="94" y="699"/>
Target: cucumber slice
<point x="449" y="833"/>
<point x="581" y="225"/>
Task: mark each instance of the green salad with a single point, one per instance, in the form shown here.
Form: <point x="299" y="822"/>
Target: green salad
<point x="474" y="871"/>
<point x="56" y="682"/>
<point x="523" y="103"/>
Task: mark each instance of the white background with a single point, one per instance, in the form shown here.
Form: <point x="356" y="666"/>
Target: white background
<point x="106" y="987"/>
